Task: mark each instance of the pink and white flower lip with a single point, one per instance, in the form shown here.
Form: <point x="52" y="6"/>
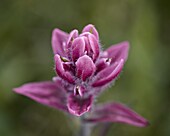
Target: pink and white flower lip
<point x="84" y="70"/>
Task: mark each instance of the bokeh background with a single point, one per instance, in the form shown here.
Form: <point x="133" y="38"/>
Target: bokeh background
<point x="26" y="56"/>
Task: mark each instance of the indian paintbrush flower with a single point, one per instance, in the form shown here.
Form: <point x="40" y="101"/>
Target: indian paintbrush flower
<point x="83" y="71"/>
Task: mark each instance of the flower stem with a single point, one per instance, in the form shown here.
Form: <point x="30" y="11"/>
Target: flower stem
<point x="85" y="128"/>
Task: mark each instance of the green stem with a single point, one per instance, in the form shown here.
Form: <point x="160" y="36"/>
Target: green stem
<point x="85" y="128"/>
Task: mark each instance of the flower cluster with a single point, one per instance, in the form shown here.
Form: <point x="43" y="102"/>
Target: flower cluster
<point x="84" y="70"/>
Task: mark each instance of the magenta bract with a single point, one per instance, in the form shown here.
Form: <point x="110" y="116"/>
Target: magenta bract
<point x="116" y="112"/>
<point x="84" y="70"/>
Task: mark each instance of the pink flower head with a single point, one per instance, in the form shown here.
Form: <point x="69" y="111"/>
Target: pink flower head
<point x="84" y="70"/>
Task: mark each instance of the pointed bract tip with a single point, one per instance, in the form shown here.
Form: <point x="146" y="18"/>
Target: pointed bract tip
<point x="90" y="28"/>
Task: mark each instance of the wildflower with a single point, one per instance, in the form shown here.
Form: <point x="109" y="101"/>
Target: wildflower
<point x="84" y="71"/>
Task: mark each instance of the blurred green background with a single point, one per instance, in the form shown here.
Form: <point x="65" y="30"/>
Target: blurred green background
<point x="26" y="56"/>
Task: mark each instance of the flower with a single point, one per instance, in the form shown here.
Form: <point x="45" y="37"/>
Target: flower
<point x="84" y="70"/>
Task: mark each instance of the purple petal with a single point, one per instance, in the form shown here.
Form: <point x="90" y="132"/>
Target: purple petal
<point x="85" y="67"/>
<point x="108" y="74"/>
<point x="118" y="51"/>
<point x="59" y="39"/>
<point x="47" y="93"/>
<point x="94" y="46"/>
<point x="102" y="63"/>
<point x="78" y="106"/>
<point x="87" y="46"/>
<point x="61" y="71"/>
<point x="78" y="48"/>
<point x="85" y="34"/>
<point x="115" y="112"/>
<point x="73" y="34"/>
<point x="90" y="28"/>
